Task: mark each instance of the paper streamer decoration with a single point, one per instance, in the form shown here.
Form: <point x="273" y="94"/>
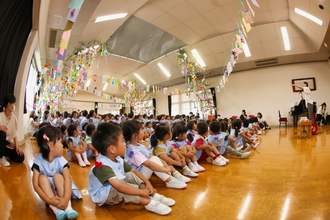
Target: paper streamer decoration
<point x="255" y="3"/>
<point x="94" y="77"/>
<point x="247" y="16"/>
<point x="251" y="10"/>
<point x="72" y="15"/>
<point x="76" y="4"/>
<point x="104" y="78"/>
<point x="148" y="88"/>
<point x="246" y="25"/>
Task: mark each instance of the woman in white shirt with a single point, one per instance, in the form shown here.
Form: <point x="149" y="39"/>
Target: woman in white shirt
<point x="8" y="129"/>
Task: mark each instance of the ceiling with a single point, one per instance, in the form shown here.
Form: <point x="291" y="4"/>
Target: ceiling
<point x="204" y="25"/>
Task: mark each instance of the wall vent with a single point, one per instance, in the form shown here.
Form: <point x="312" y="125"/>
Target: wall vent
<point x="52" y="38"/>
<point x="266" y="62"/>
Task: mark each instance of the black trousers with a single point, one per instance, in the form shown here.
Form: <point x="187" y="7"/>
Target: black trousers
<point x="310" y="112"/>
<point x="5" y="151"/>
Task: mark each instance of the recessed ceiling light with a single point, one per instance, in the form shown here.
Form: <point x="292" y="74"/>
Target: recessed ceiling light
<point x="163" y="69"/>
<point x="198" y="58"/>
<point x="139" y="77"/>
<point x="110" y="17"/>
<point x="309" y="16"/>
<point x="285" y="38"/>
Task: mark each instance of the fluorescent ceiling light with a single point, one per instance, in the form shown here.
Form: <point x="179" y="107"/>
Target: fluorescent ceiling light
<point x="246" y="49"/>
<point x="105" y="86"/>
<point x="285" y="38"/>
<point x="110" y="17"/>
<point x="139" y="77"/>
<point x="163" y="69"/>
<point x="88" y="83"/>
<point x="309" y="16"/>
<point x="198" y="58"/>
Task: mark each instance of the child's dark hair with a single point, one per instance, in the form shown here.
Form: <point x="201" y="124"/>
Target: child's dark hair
<point x="223" y="126"/>
<point x="43" y="124"/>
<point x="177" y="130"/>
<point x="35" y="117"/>
<point x="202" y="128"/>
<point x="89" y="129"/>
<point x="237" y="124"/>
<point x="63" y="128"/>
<point x="246" y="123"/>
<point x="215" y="127"/>
<point x="106" y="134"/>
<point x="253" y="119"/>
<point x="129" y="128"/>
<point x="161" y="129"/>
<point x="190" y="125"/>
<point x="91" y="113"/>
<point x="9" y="98"/>
<point x="71" y="129"/>
<point x="148" y="123"/>
<point x="47" y="134"/>
<point x="84" y="126"/>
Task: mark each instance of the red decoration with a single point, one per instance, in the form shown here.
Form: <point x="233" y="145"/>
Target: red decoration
<point x="98" y="164"/>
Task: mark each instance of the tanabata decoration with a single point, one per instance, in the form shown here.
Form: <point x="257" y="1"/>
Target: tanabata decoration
<point x="135" y="92"/>
<point x="194" y="76"/>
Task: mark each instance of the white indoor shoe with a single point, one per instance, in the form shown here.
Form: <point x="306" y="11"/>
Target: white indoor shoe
<point x="4" y="162"/>
<point x="162" y="199"/>
<point x="157" y="207"/>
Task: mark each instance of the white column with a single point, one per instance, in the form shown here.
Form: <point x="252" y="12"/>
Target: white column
<point x="21" y="80"/>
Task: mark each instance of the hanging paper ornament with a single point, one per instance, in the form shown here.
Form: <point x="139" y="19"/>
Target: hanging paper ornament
<point x="94" y="77"/>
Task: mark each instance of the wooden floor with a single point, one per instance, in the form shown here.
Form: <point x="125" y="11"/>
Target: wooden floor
<point x="285" y="178"/>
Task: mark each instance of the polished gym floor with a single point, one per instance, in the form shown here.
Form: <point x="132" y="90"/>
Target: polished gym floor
<point x="284" y="178"/>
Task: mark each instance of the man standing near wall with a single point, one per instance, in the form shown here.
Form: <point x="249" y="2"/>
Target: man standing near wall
<point x="308" y="98"/>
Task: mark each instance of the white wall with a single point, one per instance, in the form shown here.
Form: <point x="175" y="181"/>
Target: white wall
<point x="265" y="90"/>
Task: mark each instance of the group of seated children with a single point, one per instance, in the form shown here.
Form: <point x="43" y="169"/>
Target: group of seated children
<point x="123" y="165"/>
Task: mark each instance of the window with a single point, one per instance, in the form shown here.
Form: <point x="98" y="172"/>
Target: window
<point x="184" y="104"/>
<point x="31" y="87"/>
<point x="175" y="109"/>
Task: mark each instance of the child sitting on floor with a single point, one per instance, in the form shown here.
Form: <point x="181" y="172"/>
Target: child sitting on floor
<point x="228" y="141"/>
<point x="112" y="180"/>
<point x="181" y="143"/>
<point x="138" y="156"/>
<point x="204" y="148"/>
<point x="91" y="151"/>
<point x="162" y="147"/>
<point x="51" y="176"/>
<point x="77" y="147"/>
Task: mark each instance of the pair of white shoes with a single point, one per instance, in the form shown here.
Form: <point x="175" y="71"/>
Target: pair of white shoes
<point x="195" y="167"/>
<point x="159" y="204"/>
<point x="84" y="163"/>
<point x="220" y="161"/>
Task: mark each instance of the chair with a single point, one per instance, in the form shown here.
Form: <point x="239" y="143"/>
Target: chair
<point x="234" y="117"/>
<point x="251" y="116"/>
<point x="282" y="120"/>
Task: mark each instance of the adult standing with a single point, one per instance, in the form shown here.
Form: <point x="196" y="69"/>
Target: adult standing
<point x="8" y="130"/>
<point x="308" y="98"/>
